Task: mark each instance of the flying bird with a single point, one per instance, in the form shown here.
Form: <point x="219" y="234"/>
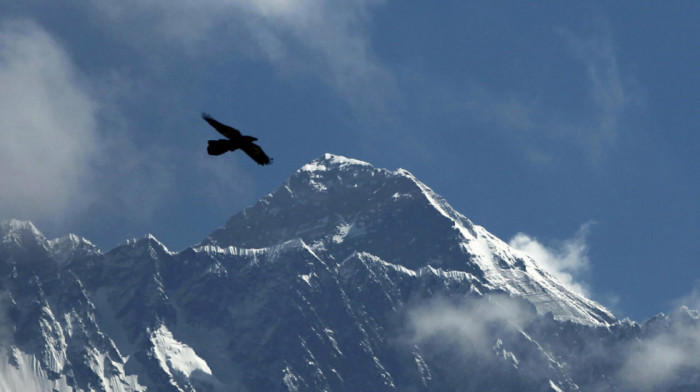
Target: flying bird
<point x="235" y="141"/>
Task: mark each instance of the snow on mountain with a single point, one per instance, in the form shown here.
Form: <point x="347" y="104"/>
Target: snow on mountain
<point x="347" y="277"/>
<point x="176" y="358"/>
<point x="15" y="230"/>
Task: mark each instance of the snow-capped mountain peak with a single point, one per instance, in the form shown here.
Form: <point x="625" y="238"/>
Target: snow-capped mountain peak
<point x="340" y="206"/>
<point x="23" y="236"/>
<point x="330" y="162"/>
<point x="71" y="246"/>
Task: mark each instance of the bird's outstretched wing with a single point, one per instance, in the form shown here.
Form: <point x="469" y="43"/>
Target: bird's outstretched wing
<point x="254" y="151"/>
<point x="229" y="132"/>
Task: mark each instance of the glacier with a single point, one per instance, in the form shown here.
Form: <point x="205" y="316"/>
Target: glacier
<point x="347" y="277"/>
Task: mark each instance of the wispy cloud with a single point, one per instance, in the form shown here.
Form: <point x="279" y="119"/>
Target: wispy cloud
<point x="606" y="90"/>
<point x="48" y="125"/>
<point x="567" y="260"/>
<point x="331" y="37"/>
<point x="328" y="40"/>
<point x="469" y="324"/>
<point x="593" y="127"/>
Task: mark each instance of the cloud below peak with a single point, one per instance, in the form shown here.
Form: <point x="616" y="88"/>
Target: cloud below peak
<point x="669" y="354"/>
<point x="468" y="324"/>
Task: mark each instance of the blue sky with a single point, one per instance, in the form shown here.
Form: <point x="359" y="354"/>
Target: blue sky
<point x="569" y="130"/>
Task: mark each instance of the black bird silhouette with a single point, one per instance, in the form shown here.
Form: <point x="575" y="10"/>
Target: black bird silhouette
<point x="235" y="141"/>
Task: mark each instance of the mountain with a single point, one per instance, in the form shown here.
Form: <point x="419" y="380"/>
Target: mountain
<point x="346" y="278"/>
<point x="340" y="206"/>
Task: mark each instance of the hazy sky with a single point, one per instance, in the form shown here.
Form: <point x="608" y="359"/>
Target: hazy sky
<point x="569" y="130"/>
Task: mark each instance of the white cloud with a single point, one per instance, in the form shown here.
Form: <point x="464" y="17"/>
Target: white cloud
<point x="566" y="260"/>
<point x="64" y="156"/>
<point x="468" y="323"/>
<point x="670" y="350"/>
<point x="47" y="121"/>
<point x="662" y="358"/>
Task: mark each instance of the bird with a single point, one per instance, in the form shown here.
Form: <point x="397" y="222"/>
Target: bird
<point x="234" y="141"/>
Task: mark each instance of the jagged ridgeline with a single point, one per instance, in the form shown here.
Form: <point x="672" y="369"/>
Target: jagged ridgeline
<point x="346" y="278"/>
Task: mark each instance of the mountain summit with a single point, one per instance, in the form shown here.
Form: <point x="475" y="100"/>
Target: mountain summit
<point x="340" y="206"/>
<point x="346" y="278"/>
